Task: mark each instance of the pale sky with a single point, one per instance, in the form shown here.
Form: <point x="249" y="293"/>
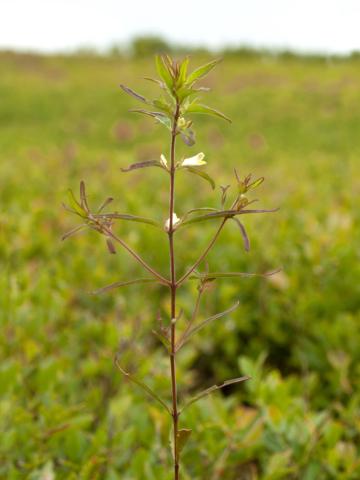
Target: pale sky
<point x="56" y="25"/>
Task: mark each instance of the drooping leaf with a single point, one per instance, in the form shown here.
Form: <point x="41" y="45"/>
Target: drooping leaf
<point x="134" y="94"/>
<point x="188" y="137"/>
<point x="202" y="324"/>
<point x="201" y="72"/>
<point x="212" y="389"/>
<point x="163" y="72"/>
<point x="143" y="385"/>
<point x="128" y="217"/>
<point x="202" y="174"/>
<point x="205" y="110"/>
<point x="243" y="233"/>
<point x="114" y="285"/>
<point x="147" y="163"/>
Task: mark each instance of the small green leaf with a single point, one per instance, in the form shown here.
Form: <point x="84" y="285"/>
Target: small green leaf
<point x="163" y="72"/>
<point x="75" y="205"/>
<point x="143" y="385"/>
<point x="212" y="389"/>
<point x="256" y="183"/>
<point x="163" y="339"/>
<point x="202" y="174"/>
<point x="183" y="436"/>
<point x="205" y="110"/>
<point x="201" y="71"/>
<point x="133" y="94"/>
<point x="114" y="285"/>
<point x="183" y="71"/>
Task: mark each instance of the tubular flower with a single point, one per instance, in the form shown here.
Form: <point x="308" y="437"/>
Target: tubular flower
<point x="196" y="161"/>
<point x="175" y="221"/>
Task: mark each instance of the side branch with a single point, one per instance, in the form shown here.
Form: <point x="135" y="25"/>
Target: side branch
<point x="204" y="254"/>
<point x="137" y="257"/>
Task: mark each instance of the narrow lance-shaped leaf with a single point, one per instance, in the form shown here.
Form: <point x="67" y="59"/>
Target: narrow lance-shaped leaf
<point x="163" y="72"/>
<point x="145" y="164"/>
<point x="243" y="233"/>
<point x="74" y="204"/>
<point x="214" y="275"/>
<point x="73" y="231"/>
<point x="128" y="217"/>
<point x="83" y="199"/>
<point x="202" y="174"/>
<point x="143" y="385"/>
<point x="201" y="71"/>
<point x="114" y="285"/>
<point x="163" y="339"/>
<point x="200" y="209"/>
<point x="133" y="94"/>
<point x="212" y="389"/>
<point x="205" y="110"/>
<point x="105" y="203"/>
<point x="203" y="324"/>
<point x="224" y="213"/>
<point x="183" y="70"/>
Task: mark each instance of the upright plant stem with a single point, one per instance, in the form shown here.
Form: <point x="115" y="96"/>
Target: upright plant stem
<point x="173" y="287"/>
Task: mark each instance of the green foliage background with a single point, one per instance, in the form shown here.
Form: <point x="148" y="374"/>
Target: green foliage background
<point x="65" y="411"/>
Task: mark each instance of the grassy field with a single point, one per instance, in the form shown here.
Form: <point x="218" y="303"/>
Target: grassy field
<point x="65" y="410"/>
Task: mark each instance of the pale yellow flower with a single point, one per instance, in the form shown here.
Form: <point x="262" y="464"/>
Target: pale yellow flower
<point x="195" y="161"/>
<point x="175" y="221"/>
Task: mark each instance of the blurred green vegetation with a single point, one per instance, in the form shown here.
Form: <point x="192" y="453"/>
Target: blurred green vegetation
<point x="65" y="411"/>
